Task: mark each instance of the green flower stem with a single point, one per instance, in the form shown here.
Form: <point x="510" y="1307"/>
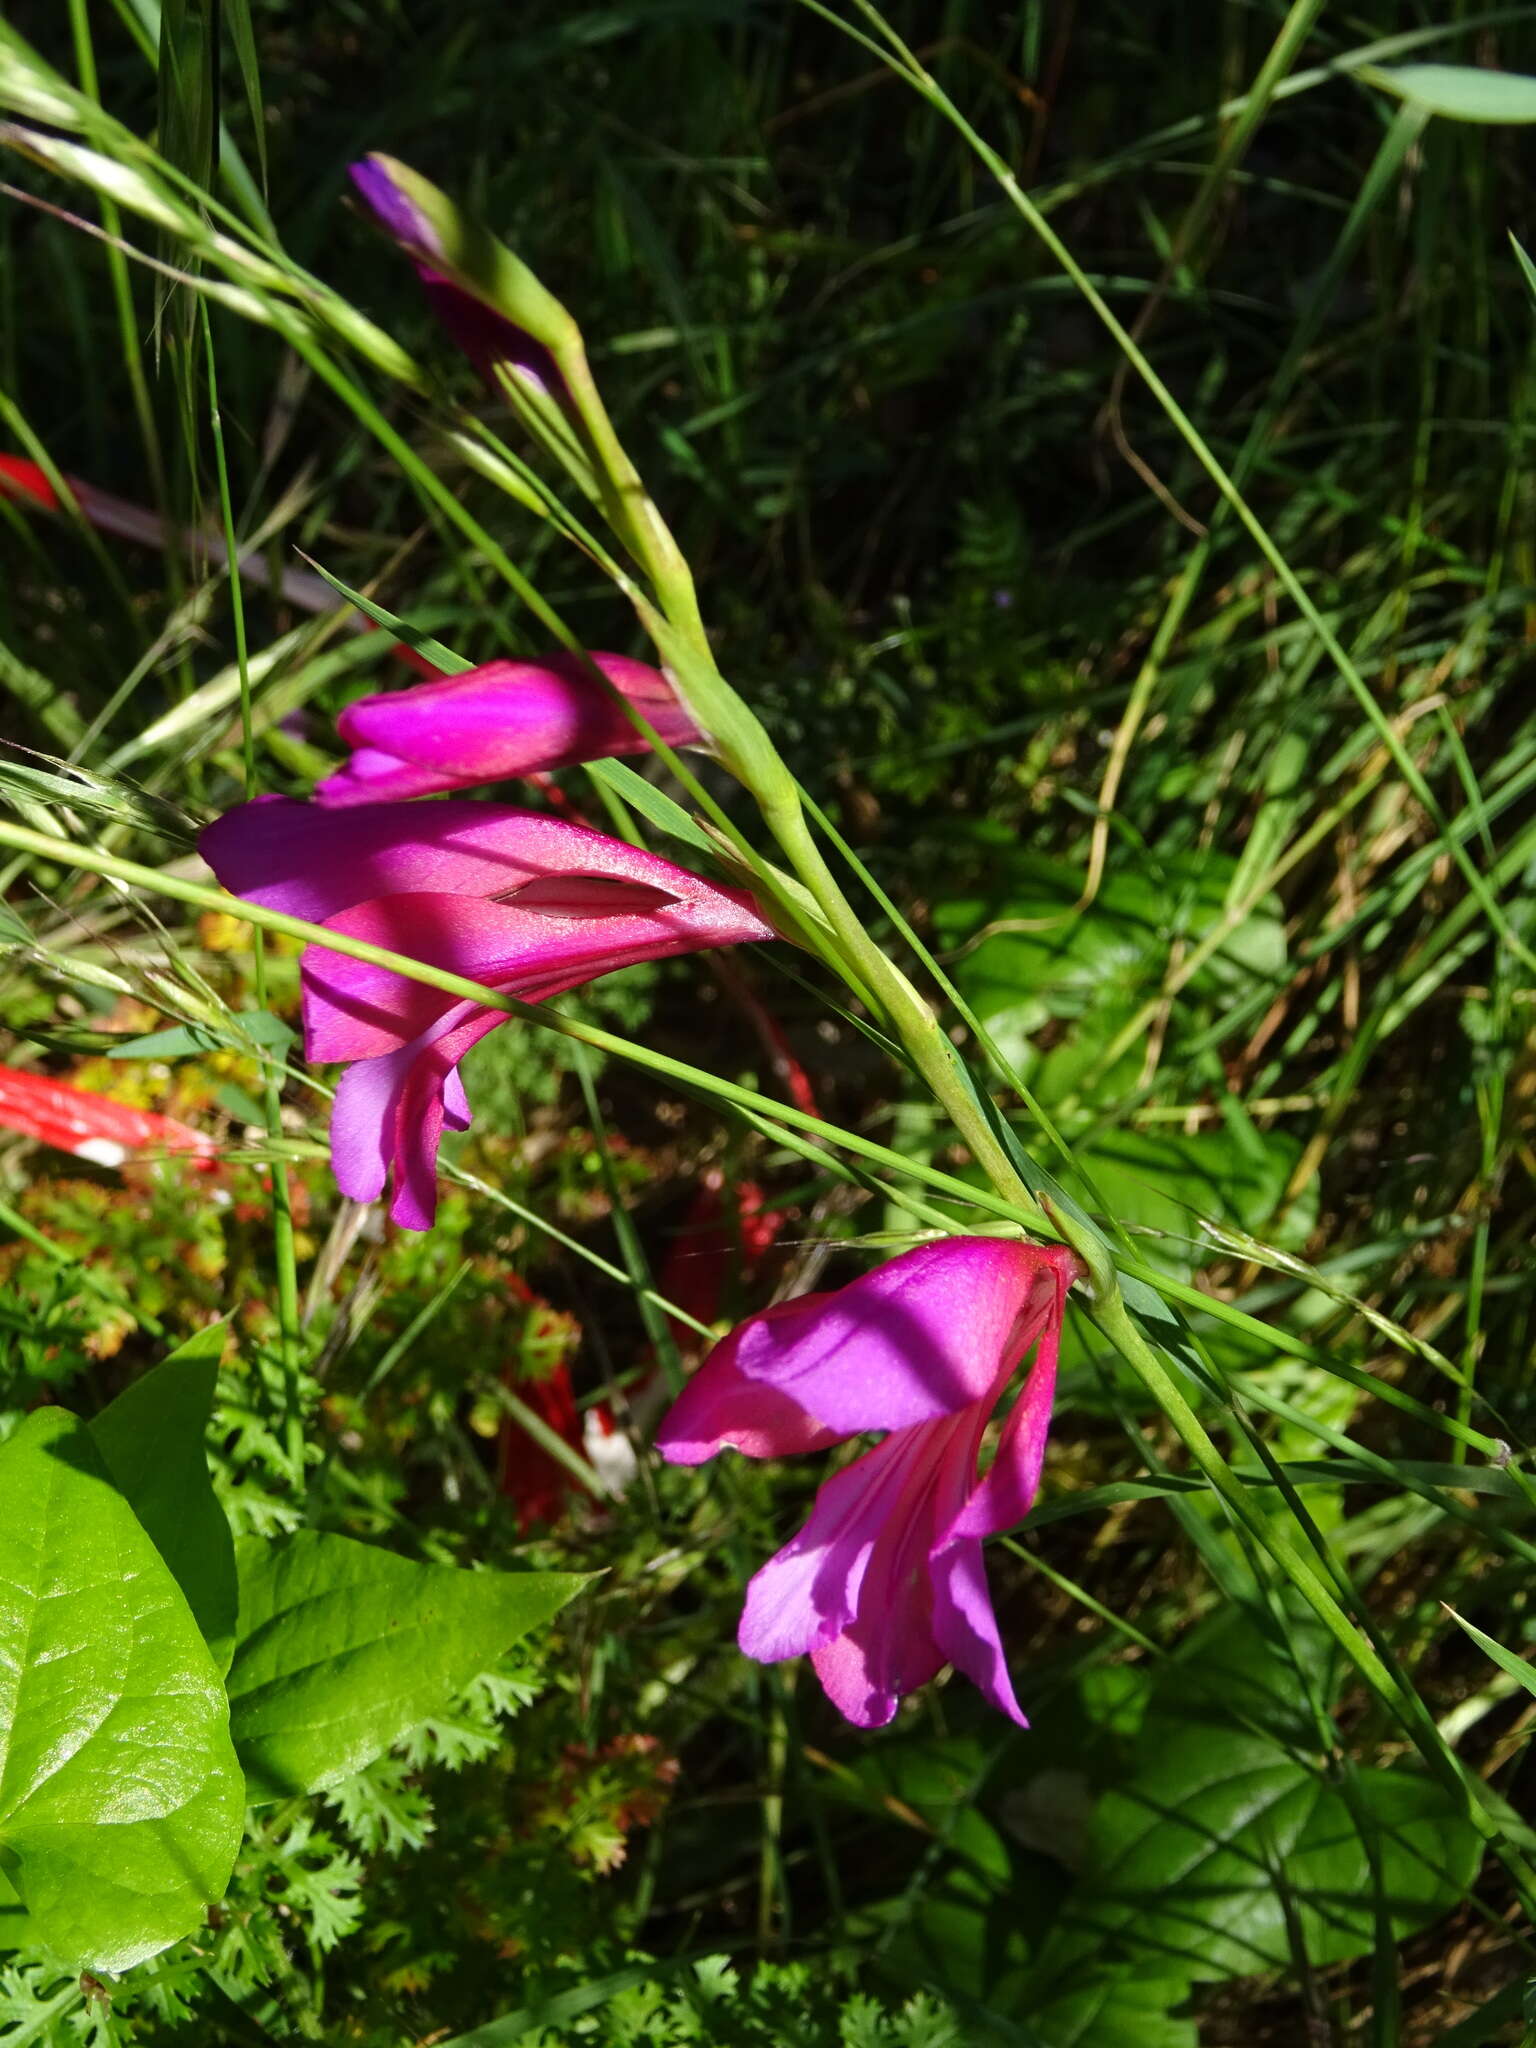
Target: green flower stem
<point x="908" y="1015"/>
<point x="676" y="623"/>
<point x="1109" y="1313"/>
<point x="631" y="511"/>
<point x="745" y="747"/>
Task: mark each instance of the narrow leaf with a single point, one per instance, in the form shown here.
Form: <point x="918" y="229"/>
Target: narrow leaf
<point x="1517" y="1667"/>
<point x="188" y="113"/>
<point x="652" y="803"/>
<point x="1461" y="92"/>
<point x="242" y="34"/>
<point x="431" y="650"/>
<point x="182" y="1040"/>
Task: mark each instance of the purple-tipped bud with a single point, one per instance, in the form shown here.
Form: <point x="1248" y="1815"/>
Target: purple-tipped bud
<point x="488" y="334"/>
<point x="395" y="211"/>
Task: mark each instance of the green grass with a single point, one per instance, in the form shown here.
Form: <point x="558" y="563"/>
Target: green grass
<point x="1100" y="440"/>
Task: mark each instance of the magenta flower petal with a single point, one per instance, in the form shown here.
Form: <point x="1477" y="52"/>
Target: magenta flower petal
<point x="363" y="1123"/>
<point x="865" y="1672"/>
<point x="457" y="1115"/>
<point x="886" y="1581"/>
<point x="507" y="718"/>
<point x="372" y="776"/>
<point x="809" y="1592"/>
<point x="758" y="1421"/>
<point x="390" y="1113"/>
<point x="510" y="899"/>
<point x="312" y="861"/>
<point x="490" y="341"/>
<point x="888" y="1646"/>
<point x="395" y="211"/>
<point x="355" y="1010"/>
<point x="965" y="1626"/>
<point x="422" y="1114"/>
<point x="916" y="1339"/>
<point x="1006" y="1495"/>
<point x="366" y="1127"/>
<point x="722" y="1406"/>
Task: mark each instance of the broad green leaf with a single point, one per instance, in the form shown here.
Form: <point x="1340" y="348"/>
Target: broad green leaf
<point x="1239" y="1667"/>
<point x="1461" y="92"/>
<point x="1117" y="2008"/>
<point x="1517" y="1667"/>
<point x="153" y="1442"/>
<point x="1042" y="958"/>
<point x="343" y="1647"/>
<point x="1115" y="1697"/>
<point x="1222" y="1849"/>
<point x="1165" y="1181"/>
<point x="16" y="1929"/>
<point x="120" y="1798"/>
<point x="937" y="1778"/>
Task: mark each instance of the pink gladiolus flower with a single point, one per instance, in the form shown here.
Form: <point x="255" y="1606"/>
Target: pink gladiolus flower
<point x="885" y="1583"/>
<point x="507" y="718"/>
<point x="488" y="338"/>
<point x="524" y="903"/>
